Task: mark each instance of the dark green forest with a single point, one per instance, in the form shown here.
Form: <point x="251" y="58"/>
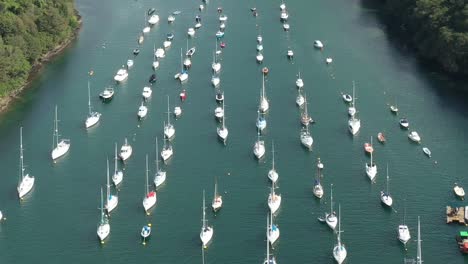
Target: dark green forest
<point x="28" y="30"/>
<point x="436" y="29"/>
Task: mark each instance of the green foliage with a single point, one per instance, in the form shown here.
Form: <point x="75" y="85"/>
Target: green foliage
<point x="438" y="29"/>
<point x="28" y="30"/>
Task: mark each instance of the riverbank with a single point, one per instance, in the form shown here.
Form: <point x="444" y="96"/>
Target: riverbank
<point x="36" y="68"/>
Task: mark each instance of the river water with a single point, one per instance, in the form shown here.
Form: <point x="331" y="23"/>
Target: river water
<point x="57" y="222"/>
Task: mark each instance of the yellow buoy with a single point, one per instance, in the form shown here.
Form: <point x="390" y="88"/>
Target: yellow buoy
<point x="149" y="224"/>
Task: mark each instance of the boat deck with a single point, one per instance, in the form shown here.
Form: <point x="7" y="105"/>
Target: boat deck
<point x="456" y="214"/>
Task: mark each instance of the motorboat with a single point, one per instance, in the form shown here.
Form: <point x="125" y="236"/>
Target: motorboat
<point x="404" y="123"/>
<point x="122" y="75"/>
<point x="282" y="6"/>
<point x="259" y="57"/>
<point x="145" y="30"/>
<point x="284" y="15"/>
<point x="318" y="44"/>
<point x="190" y="52"/>
<point x="427" y="151"/>
<point x="300" y="100"/>
<point x="160" y="53"/>
<point x="206" y="232"/>
<point x="329" y="60"/>
<point x="177" y="111"/>
<point x="259" y="148"/>
<point x="215" y="81"/>
<point x="129" y="64"/>
<point x="290" y="54"/>
<point x="347" y="98"/>
<point x="220" y="34"/>
<point x="167" y="44"/>
<point x="259" y="39"/>
<point x="60" y="146"/>
<point x="118" y="174"/>
<point x="170" y="36"/>
<point x="26" y="182"/>
<point x="223" y="18"/>
<point x="274" y="200"/>
<point x="160" y="175"/>
<point x="150" y="198"/>
<point x="351" y="110"/>
<point x="354" y="124"/>
<point x="219" y="112"/>
<point x="201" y="7"/>
<point x="146" y="92"/>
<point x="125" y="151"/>
<point x="170" y="18"/>
<point x="306" y="138"/>
<point x="107" y="93"/>
<point x="299" y="82"/>
<point x="187" y="63"/>
<point x="142" y="111"/>
<point x="385" y="196"/>
<point x="153" y="19"/>
<point x="103" y="229"/>
<point x="403" y="234"/>
<point x="319" y="164"/>
<point x="145" y="232"/>
<point x="272" y="173"/>
<point x="219" y="96"/>
<point x="183" y="95"/>
<point x="222" y="26"/>
<point x="286" y="26"/>
<point x="152" y="79"/>
<point x="191" y="32"/>
<point x="414" y="136"/>
<point x="198" y="25"/>
<point x="381" y="137"/>
<point x="459" y="191"/>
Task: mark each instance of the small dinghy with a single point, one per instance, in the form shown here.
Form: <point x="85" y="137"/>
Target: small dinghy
<point x="459" y="191"/>
<point x="404" y="123"/>
<point x="190" y="52"/>
<point x="177" y="111"/>
<point x="318" y="44"/>
<point x="136" y="52"/>
<point x="381" y="137"/>
<point x="347" y="98"/>
<point x="170" y="36"/>
<point x="427" y="152"/>
<point x="152" y="78"/>
<point x="328" y="60"/>
<point x="183" y="95"/>
<point x="290" y="54"/>
<point x="394" y="109"/>
<point x="368" y="147"/>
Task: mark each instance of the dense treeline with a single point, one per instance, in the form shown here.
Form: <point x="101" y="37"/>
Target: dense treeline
<point x="28" y="30"/>
<point x="437" y="29"/>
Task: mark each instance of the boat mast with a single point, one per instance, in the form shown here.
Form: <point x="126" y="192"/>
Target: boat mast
<point x="102" y="209"/>
<point x="268" y="246"/>
<point x="388" y="192"/>
<point x="419" y="254"/>
<point x="89" y="99"/>
<point x="203" y="208"/>
<point x="352" y="102"/>
<point x="339" y="227"/>
<point x="331" y="198"/>
<point x="181" y="63"/>
<point x="216" y="188"/>
<point x="371" y="156"/>
<point x="154" y="52"/>
<point x="115" y="159"/>
<point x="168" y="117"/>
<point x="273" y="155"/>
<point x="224" y="115"/>
<point x="108" y="185"/>
<point x="21" y="155"/>
<point x="263" y="86"/>
<point x="56" y="135"/>
<point x="157" y="160"/>
<point x="146" y="186"/>
<point x="305" y="106"/>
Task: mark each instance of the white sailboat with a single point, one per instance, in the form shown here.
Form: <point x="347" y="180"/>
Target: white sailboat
<point x="419" y="253"/>
<point x="26" y="181"/>
<point x="259" y="147"/>
<point x="354" y="124"/>
<point x="125" y="151"/>
<point x="59" y="147"/>
<point x="206" y="232"/>
<point x="305" y="117"/>
<point x="403" y="231"/>
<point x="93" y="117"/>
<point x="215" y="80"/>
<point x="270" y="259"/>
<point x="330" y="218"/>
<point x="264" y="105"/>
<point x="103" y="229"/>
<point x="272" y="173"/>
<point x="150" y="196"/>
<point x="352" y="108"/>
<point x="274" y="200"/>
<point x="118" y="174"/>
<point x="112" y="200"/>
<point x="147" y="92"/>
<point x="166" y="152"/>
<point x="318" y="189"/>
<point x="273" y="231"/>
<point x="385" y="196"/>
<point x="339" y="251"/>
<point x="169" y="130"/>
<point x="261" y="121"/>
<point x="222" y="131"/>
<point x="216" y="65"/>
<point x="155" y="59"/>
<point x="142" y="110"/>
<point x="299" y="81"/>
<point x="160" y="176"/>
<point x="183" y="75"/>
<point x="300" y="99"/>
<point x="371" y="169"/>
<point x="306" y="137"/>
<point x="217" y="202"/>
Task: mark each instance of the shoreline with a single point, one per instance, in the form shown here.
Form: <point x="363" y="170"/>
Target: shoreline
<point x="36" y="68"/>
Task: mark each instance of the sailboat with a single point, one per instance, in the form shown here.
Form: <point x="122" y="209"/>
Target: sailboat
<point x="206" y="232"/>
<point x="419" y="253"/>
<point x="26" y="182"/>
<point x="306" y="138"/>
<point x="354" y="124"/>
<point x="150" y="196"/>
<point x="352" y="108"/>
<point x="169" y="130"/>
<point x="118" y="174"/>
<point x="273" y="231"/>
<point x="259" y="147"/>
<point x="385" y="197"/>
<point x="166" y="152"/>
<point x="261" y="121"/>
<point x="217" y="199"/>
<point x="273" y="174"/>
<point x="318" y="189"/>
<point x="183" y="75"/>
<point x="299" y="82"/>
<point x="59" y="147"/>
<point x="371" y="169"/>
<point x="103" y="229"/>
<point x="160" y="176"/>
<point x="330" y="218"/>
<point x="274" y="200"/>
<point x="300" y="100"/>
<point x="403" y="231"/>
<point x="155" y="59"/>
<point x="264" y="105"/>
<point x="216" y="65"/>
<point x="125" y="151"/>
<point x="187" y="61"/>
<point x="111" y="200"/>
<point x="270" y="259"/>
<point x="305" y="117"/>
<point x="339" y="251"/>
<point x="223" y="131"/>
<point x="93" y="117"/>
<point x="142" y="110"/>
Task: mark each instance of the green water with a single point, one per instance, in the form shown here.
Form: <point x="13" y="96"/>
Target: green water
<point x="57" y="222"/>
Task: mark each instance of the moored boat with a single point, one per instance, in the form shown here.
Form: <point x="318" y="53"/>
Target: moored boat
<point x="459" y="191"/>
<point x="381" y="137"/>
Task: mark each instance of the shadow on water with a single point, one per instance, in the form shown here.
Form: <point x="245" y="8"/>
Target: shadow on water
<point x="451" y="88"/>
